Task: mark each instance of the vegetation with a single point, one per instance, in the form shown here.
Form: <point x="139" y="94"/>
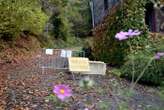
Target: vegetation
<point x="135" y="52"/>
<point x="18" y="16"/>
<point x="136" y="63"/>
<point x="130" y="15"/>
<point x="132" y="55"/>
<point x="70" y="20"/>
<point x="152" y="75"/>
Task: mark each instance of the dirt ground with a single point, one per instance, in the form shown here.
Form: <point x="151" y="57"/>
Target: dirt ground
<point x="24" y="86"/>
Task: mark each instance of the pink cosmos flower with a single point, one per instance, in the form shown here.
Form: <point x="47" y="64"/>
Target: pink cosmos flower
<point x="159" y="55"/>
<point x="121" y="35"/>
<point x="132" y="33"/>
<point x="62" y="91"/>
<point x="125" y="35"/>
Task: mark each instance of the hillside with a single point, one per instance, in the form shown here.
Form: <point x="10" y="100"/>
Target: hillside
<point x="81" y="55"/>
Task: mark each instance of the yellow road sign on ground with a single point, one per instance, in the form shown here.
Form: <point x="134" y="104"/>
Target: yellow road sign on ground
<point x="78" y="64"/>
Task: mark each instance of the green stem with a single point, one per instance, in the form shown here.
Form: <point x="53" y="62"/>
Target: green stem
<point x="133" y="70"/>
<point x="131" y="51"/>
<point x="139" y="77"/>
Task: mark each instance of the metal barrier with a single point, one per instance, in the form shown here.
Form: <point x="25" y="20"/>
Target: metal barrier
<point x="56" y="59"/>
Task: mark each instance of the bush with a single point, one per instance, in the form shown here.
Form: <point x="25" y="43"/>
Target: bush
<point x="130" y="15"/>
<point x="20" y="15"/>
<point x="154" y="74"/>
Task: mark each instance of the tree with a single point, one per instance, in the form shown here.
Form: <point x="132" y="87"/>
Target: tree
<point x="73" y="18"/>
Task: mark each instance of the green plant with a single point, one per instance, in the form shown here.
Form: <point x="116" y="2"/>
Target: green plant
<point x="58" y="104"/>
<point x="142" y="63"/>
<point x="73" y="19"/>
<point x="161" y="91"/>
<point x="104" y="105"/>
<point x="123" y="106"/>
<point x="129" y="15"/>
<point x="17" y="16"/>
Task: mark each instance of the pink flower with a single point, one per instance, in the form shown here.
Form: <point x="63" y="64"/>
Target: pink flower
<point x="121" y="35"/>
<point x="62" y="91"/>
<point x="159" y="55"/>
<point x="125" y="35"/>
<point x="132" y="33"/>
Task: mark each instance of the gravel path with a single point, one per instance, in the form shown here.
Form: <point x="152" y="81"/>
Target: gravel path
<point x="28" y="87"/>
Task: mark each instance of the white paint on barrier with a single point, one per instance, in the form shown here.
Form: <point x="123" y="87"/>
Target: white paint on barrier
<point x="66" y="53"/>
<point x="49" y="51"/>
<point x="96" y="67"/>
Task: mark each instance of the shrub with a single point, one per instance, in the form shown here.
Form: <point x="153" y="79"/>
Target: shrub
<point x="20" y="15"/>
<point x="129" y="16"/>
<point x="156" y="43"/>
<point x="154" y="74"/>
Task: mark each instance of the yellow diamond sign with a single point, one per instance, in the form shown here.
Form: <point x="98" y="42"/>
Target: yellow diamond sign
<point x="78" y="64"/>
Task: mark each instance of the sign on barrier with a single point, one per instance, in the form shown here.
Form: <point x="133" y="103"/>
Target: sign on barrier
<point x="66" y="53"/>
<point x="60" y="59"/>
<point x="78" y="64"/>
<point x="49" y="51"/>
<point x="57" y="58"/>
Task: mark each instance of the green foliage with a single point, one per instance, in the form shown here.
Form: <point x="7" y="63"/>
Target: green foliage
<point x="123" y="106"/>
<point x="129" y="15"/>
<point x="17" y="16"/>
<point x="62" y="27"/>
<point x="116" y="72"/>
<point x="104" y="105"/>
<point x="52" y="98"/>
<point x="154" y="74"/>
<point x="80" y="17"/>
<point x="72" y="20"/>
<point x="156" y="43"/>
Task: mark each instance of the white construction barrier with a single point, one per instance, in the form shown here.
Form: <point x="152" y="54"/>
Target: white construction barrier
<point x="78" y="64"/>
<point x="96" y="67"/>
<point x="59" y="59"/>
